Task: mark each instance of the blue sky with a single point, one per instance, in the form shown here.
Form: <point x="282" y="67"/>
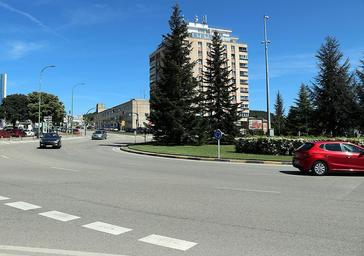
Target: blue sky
<point x="106" y="43"/>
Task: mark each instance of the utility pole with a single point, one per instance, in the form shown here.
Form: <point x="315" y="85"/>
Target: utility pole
<point x="266" y="42"/>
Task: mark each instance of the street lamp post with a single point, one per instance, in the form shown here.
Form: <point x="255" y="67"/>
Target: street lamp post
<point x="266" y="42"/>
<point x="73" y="88"/>
<point x="88" y="111"/>
<point x="40" y="93"/>
<point x="137" y="124"/>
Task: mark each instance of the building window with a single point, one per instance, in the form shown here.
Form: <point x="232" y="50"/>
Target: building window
<point x="243" y="81"/>
<point x="233" y="48"/>
<point x="233" y="56"/>
<point x="243" y="97"/>
<point x="242" y="49"/>
<point x="243" y="65"/>
<point x="199" y="44"/>
<point x="243" y="73"/>
<point x="245" y="114"/>
<point x="199" y="61"/>
<point x="200" y="54"/>
<point x="233" y="65"/>
<point x="244" y="90"/>
<point x="243" y="57"/>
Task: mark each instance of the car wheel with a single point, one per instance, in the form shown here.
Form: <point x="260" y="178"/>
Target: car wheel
<point x="319" y="168"/>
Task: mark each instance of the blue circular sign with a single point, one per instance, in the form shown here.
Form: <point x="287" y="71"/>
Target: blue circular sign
<point x="217" y="134"/>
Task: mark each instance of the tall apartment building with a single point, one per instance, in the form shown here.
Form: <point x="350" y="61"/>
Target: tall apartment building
<point x="200" y="35"/>
<point x="3" y="82"/>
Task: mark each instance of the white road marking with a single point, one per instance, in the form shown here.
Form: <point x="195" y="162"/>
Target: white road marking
<point x="65" y="169"/>
<point x="168" y="242"/>
<point x="4" y="198"/>
<point x="107" y="228"/>
<point x="4" y="156"/>
<point x="59" y="216"/>
<point x="249" y="190"/>
<point x="53" y="252"/>
<point x="23" y="205"/>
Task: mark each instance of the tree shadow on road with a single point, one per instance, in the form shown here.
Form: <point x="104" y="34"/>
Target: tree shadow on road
<point x="338" y="174"/>
<point x="113" y="144"/>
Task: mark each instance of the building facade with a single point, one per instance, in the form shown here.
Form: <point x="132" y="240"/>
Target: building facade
<point x="200" y="35"/>
<point x="126" y="116"/>
<point x="3" y="84"/>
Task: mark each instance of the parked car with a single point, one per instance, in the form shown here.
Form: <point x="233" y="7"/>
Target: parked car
<point x="4" y="134"/>
<point x="76" y="131"/>
<point x="15" y="132"/>
<point x="323" y="157"/>
<point x="29" y="133"/>
<point x="99" y="135"/>
<point x="50" y="139"/>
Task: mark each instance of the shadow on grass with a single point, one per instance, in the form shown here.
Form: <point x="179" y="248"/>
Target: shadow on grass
<point x="337" y="174"/>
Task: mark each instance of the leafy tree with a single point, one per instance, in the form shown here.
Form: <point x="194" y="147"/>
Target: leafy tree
<point x="219" y="92"/>
<point x="173" y="99"/>
<point x="299" y="115"/>
<point x="333" y="93"/>
<point x="279" y="118"/>
<point x="360" y="93"/>
<point x="15" y="108"/>
<point x="50" y="106"/>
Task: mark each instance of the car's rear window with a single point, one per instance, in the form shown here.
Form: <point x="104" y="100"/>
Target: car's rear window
<point x="98" y="132"/>
<point x="50" y="135"/>
<point x="306" y="146"/>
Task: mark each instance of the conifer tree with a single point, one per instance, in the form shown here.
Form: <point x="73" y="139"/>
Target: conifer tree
<point x="173" y="99"/>
<point x="219" y="89"/>
<point x="333" y="92"/>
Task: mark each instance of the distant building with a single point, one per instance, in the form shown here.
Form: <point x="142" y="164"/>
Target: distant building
<point x="100" y="107"/>
<point x="126" y="116"/>
<point x="3" y="83"/>
<point x="200" y="35"/>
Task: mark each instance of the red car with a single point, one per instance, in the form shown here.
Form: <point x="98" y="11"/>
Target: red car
<point x="323" y="157"/>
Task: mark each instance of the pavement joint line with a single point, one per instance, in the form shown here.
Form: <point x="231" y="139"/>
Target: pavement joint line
<point x="169" y="242"/>
<point x="64" y="169"/>
<point x="207" y="159"/>
<point x="23" y="205"/>
<point x="48" y="251"/>
<point x="60" y="216"/>
<point x="2" y="198"/>
<point x="107" y="228"/>
<point x="249" y="190"/>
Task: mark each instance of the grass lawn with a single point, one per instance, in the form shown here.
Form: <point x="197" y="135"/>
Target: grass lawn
<point x="227" y="152"/>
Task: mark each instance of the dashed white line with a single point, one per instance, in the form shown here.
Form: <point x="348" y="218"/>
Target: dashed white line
<point x="107" y="228"/>
<point x="65" y="169"/>
<point x="3" y="198"/>
<point x="48" y="251"/>
<point x="4" y="156"/>
<point x="249" y="190"/>
<point x="168" y="242"/>
<point x="23" y="206"/>
<point x="61" y="216"/>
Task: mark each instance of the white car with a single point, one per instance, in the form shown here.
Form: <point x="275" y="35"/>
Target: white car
<point x="29" y="133"/>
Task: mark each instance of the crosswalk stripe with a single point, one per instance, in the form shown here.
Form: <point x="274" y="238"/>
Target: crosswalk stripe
<point x="23" y="205"/>
<point x="4" y="198"/>
<point x="168" y="242"/>
<point x="107" y="228"/>
<point x="61" y="216"/>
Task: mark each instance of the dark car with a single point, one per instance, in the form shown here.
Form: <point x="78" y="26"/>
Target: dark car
<point x="50" y="139"/>
<point x="323" y="157"/>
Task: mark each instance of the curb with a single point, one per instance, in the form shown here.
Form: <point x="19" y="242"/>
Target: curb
<point x="139" y="152"/>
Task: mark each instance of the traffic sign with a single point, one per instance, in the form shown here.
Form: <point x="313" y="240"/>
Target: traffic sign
<point x="217" y="134"/>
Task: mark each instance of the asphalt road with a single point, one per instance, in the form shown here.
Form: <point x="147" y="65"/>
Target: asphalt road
<point x="112" y="202"/>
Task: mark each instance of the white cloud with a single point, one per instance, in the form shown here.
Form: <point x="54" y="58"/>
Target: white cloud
<point x="18" y="49"/>
<point x="30" y="18"/>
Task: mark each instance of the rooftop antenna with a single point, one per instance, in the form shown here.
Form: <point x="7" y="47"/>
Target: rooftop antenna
<point x="196" y="19"/>
<point x="204" y="19"/>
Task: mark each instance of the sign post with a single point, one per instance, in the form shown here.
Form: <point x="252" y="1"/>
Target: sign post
<point x="217" y="135"/>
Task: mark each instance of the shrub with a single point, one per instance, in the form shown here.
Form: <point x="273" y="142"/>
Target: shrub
<point x="280" y="145"/>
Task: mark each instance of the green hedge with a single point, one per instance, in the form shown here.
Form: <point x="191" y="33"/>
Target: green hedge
<point x="280" y="145"/>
